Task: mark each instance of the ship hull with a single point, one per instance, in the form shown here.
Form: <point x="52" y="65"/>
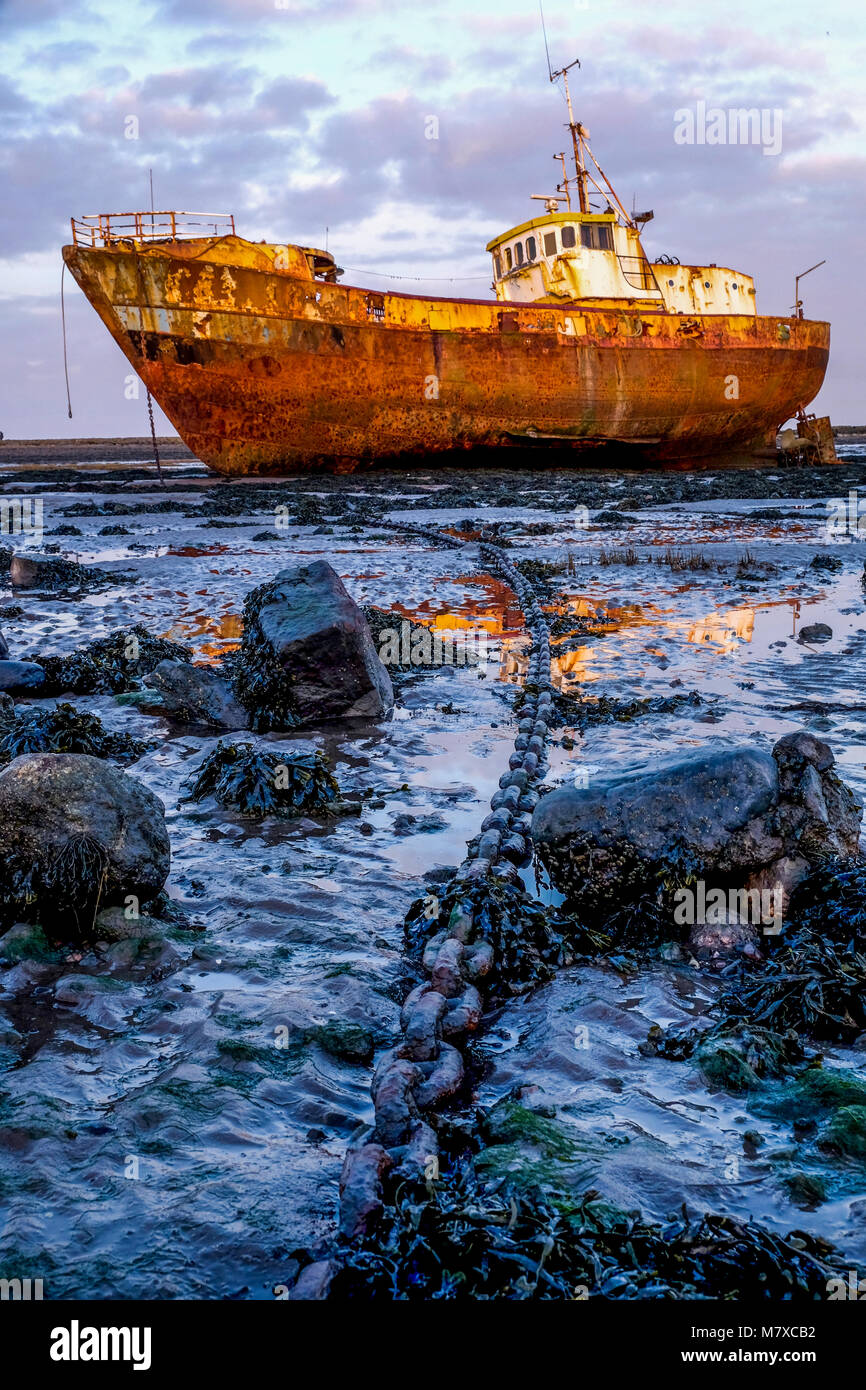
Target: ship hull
<point x="264" y="371"/>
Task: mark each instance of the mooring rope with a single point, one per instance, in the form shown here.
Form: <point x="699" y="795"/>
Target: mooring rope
<point x="141" y="349"/>
<point x="63" y="321"/>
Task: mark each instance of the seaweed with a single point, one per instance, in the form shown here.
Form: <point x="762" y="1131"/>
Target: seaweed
<point x="109" y="665"/>
<point x="384" y="624"/>
<point x="463" y="1238"/>
<point x="69" y="885"/>
<point x="260" y="682"/>
<point x="56" y="574"/>
<point x="265" y="784"/>
<point x="530" y="940"/>
<point x="732" y="1054"/>
<point x="64" y="729"/>
<point x="832" y="901"/>
<point x="605" y="709"/>
<point x="809" y="984"/>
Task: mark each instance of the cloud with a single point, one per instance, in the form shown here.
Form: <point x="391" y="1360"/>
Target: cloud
<point x="232" y="115"/>
<point x="65" y="54"/>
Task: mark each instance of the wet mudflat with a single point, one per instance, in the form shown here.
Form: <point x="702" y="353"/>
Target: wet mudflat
<point x="155" y="1140"/>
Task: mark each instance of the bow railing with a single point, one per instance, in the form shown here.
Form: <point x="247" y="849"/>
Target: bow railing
<point x="108" y="228"/>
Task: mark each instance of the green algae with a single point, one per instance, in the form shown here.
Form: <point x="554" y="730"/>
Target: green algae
<point x="845" y="1132"/>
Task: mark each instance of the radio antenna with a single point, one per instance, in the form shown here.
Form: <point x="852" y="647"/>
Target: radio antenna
<point x="544" y="32"/>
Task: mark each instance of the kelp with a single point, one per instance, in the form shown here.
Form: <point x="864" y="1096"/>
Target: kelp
<point x="464" y="1239"/>
<point x="810" y="984"/>
<point x="63" y="729"/>
<point x="260" y="682"/>
<point x="59" y="892"/>
<point x="733" y="1056"/>
<point x="109" y="665"/>
<point x="260" y="784"/>
<point x="605" y="709"/>
<point x="57" y="574"/>
<point x="832" y="902"/>
<point x="530" y="940"/>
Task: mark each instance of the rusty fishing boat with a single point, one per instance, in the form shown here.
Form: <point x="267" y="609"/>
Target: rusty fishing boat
<point x="265" y="363"/>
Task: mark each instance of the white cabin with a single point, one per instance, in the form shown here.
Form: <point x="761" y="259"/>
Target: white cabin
<point x="597" y="258"/>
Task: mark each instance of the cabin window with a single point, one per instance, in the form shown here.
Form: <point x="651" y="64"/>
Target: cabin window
<point x="497" y="267"/>
<point x="508" y="257"/>
<point x="567" y="238"/>
<point x="530" y="248"/>
<point x="596" y="236"/>
<point x="518" y="251"/>
<point x="550" y="243"/>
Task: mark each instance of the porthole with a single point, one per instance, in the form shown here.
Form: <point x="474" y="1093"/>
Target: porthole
<point x="670" y="282"/>
<point x="706" y="284"/>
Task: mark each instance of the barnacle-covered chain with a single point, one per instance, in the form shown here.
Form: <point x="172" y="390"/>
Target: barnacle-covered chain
<point x="426" y="1067"/>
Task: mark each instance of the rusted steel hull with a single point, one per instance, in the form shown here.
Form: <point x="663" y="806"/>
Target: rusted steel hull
<point x="267" y="370"/>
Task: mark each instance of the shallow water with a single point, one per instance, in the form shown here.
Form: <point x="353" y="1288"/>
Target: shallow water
<point x="154" y="1139"/>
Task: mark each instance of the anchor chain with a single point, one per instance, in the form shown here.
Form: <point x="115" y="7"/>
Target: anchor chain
<point x="427" y="1066"/>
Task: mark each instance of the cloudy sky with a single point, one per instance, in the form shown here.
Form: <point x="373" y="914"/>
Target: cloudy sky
<point x="309" y="119"/>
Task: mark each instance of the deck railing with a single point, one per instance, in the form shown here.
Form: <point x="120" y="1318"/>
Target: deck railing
<point x="638" y="273"/>
<point x="107" y="228"/>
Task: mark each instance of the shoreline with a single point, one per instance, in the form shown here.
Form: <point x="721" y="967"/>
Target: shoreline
<point x="139" y="449"/>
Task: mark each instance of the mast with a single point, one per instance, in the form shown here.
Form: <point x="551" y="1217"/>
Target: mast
<point x="578" y="133"/>
<point x="577" y="136"/>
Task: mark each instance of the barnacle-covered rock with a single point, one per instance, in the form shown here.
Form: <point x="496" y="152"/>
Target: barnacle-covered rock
<point x="740" y="816"/>
<point x="76" y="834"/>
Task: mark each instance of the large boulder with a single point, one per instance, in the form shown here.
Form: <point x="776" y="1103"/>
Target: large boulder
<point x="191" y="695"/>
<point x="307" y="653"/>
<point x="739" y="816"/>
<point x="64" y="815"/>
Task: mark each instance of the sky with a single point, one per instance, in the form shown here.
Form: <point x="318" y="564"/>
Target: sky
<point x="310" y="121"/>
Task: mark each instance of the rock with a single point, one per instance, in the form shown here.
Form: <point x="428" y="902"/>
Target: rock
<point x="191" y="695"/>
<point x="736" y="818"/>
<point x="349" y="1042"/>
<point x="64" y="814"/>
<point x="307" y="653"/>
<point x="25" y="941"/>
<point x="113" y="924"/>
<point x="4" y="648"/>
<point x="815" y="632"/>
<point x="32" y="571"/>
<point x="47" y="572"/>
<point x="20" y="677"/>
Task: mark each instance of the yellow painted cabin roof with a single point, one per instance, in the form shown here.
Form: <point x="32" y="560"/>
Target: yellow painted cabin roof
<point x="547" y="220"/>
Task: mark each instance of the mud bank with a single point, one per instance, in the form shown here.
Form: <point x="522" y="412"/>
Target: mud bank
<point x="174" y="1115"/>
